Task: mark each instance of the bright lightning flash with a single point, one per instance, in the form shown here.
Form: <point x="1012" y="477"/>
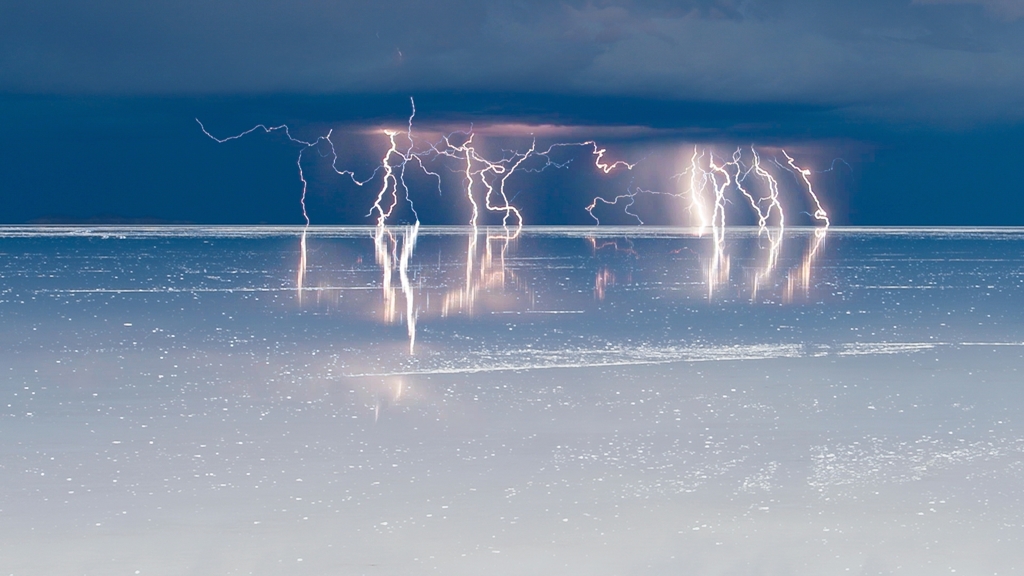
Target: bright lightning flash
<point x="706" y="186"/>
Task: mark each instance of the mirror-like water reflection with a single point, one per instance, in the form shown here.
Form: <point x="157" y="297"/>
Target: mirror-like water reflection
<point x="491" y="265"/>
<point x="597" y="401"/>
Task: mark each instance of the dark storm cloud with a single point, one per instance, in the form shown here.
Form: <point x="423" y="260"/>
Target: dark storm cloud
<point x="945" y="60"/>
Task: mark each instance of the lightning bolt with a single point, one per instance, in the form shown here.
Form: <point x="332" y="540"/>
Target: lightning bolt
<point x="390" y="183"/>
<point x="306" y="145"/>
<point x="631" y="195"/>
<point x="492" y="175"/>
<point x="819" y="212"/>
<point x="707" y="175"/>
<point x="774" y="239"/>
<point x="705" y="186"/>
<point x="718" y="269"/>
<point x="597" y="152"/>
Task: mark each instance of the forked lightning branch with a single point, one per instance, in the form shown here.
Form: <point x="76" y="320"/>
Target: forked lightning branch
<point x="705" y="185"/>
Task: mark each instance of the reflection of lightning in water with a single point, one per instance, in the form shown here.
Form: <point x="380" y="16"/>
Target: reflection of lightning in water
<point x="802" y="280"/>
<point x="301" y="275"/>
<point x="386" y="246"/>
<point x="774" y="249"/>
<point x="497" y="281"/>
<point x="614" y="244"/>
<point x="464" y="298"/>
<point x="490" y="273"/>
<point x="389" y="392"/>
<point x="763" y="215"/>
<point x="302" y="177"/>
<point x="718" y="269"/>
<point x="408" y="245"/>
<point x="306" y="145"/>
<point x="707" y="175"/>
<point x="382" y="243"/>
<point x="718" y="266"/>
<point x="706" y="186"/>
<point x="604" y="279"/>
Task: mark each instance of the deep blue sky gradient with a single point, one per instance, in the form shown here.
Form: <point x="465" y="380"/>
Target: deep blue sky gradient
<point x="923" y="99"/>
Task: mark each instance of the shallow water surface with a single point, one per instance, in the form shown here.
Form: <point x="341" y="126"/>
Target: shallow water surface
<point x="569" y="401"/>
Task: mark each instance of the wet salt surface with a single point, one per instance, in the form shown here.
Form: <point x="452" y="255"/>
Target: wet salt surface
<point x="575" y="403"/>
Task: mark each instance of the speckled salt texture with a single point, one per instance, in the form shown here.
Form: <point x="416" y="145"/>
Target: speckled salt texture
<point x="576" y="402"/>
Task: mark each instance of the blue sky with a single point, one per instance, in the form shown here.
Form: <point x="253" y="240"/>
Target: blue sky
<point x="923" y="99"/>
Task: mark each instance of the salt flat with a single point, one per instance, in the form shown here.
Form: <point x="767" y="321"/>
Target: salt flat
<point x="572" y="401"/>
